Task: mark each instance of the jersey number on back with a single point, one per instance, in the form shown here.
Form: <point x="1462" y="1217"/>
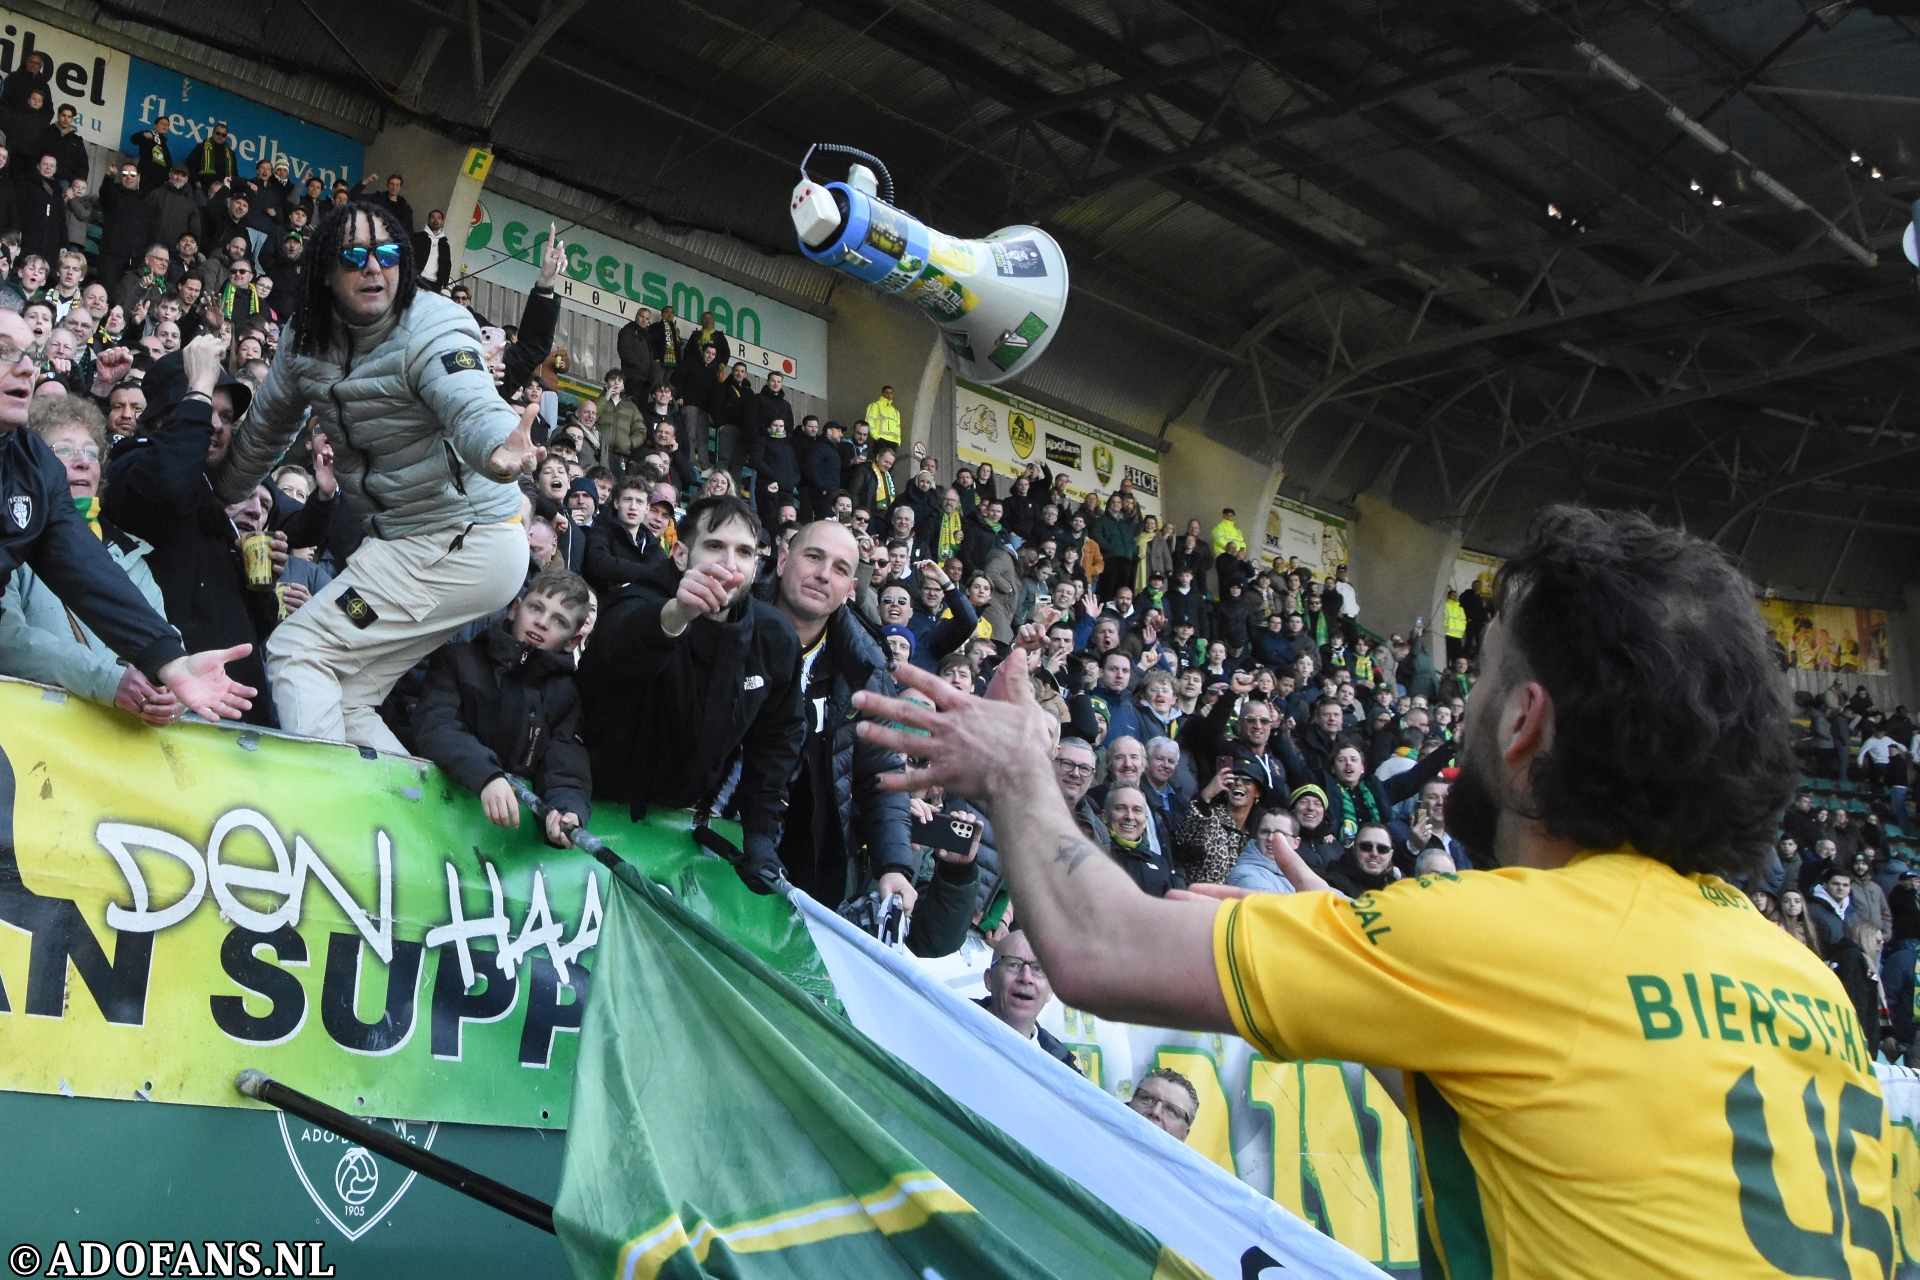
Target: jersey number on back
<point x="1785" y="1245"/>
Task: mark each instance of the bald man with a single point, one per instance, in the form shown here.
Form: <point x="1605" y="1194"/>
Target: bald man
<point x="842" y="831"/>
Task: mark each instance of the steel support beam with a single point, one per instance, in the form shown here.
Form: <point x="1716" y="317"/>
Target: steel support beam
<point x="1732" y="386"/>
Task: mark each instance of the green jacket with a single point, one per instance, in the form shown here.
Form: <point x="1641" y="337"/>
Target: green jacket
<point x="1115" y="536"/>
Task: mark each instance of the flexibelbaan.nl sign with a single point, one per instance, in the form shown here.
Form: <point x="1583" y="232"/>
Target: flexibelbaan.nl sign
<point x="611" y="280"/>
<point x="255" y="132"/>
<point x="1013" y="434"/>
<point x="188" y="903"/>
<point x="116" y="95"/>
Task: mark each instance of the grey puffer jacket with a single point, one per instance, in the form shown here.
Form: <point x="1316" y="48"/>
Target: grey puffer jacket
<point x="413" y="418"/>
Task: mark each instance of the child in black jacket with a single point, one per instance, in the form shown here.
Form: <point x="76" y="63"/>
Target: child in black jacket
<point x="506" y="703"/>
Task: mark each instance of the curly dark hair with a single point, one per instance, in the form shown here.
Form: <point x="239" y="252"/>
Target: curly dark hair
<point x="313" y="318"/>
<point x="1670" y="723"/>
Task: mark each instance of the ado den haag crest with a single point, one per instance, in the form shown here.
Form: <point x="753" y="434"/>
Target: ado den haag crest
<point x="352" y="1187"/>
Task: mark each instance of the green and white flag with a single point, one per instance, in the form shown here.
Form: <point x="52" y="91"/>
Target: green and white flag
<point x="725" y="1123"/>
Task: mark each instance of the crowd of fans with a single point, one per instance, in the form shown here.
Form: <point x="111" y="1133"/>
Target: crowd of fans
<point x="709" y="576"/>
<point x="1843" y="878"/>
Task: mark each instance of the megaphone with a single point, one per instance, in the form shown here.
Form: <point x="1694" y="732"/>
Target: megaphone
<point x="998" y="301"/>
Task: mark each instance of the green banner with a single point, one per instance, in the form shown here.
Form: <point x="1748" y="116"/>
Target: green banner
<point x="727" y="1124"/>
<point x="190" y="902"/>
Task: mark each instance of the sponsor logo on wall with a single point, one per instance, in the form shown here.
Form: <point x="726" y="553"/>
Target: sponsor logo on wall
<point x="1062" y="451"/>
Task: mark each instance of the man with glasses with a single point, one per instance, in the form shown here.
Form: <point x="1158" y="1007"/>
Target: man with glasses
<point x="41" y="527"/>
<point x="935" y="636"/>
<point x="1017" y="991"/>
<point x="1368" y="863"/>
<point x="212" y="163"/>
<point x="1168" y="1100"/>
<point x="1073" y="766"/>
<point x="428" y="455"/>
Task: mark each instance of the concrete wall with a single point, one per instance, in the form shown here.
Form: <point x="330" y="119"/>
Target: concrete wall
<point x="1400" y="568"/>
<point x="428" y="163"/>
<point x="1199" y="476"/>
<point x="877" y="341"/>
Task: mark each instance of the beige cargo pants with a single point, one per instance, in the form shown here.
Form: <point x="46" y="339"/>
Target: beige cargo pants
<point x="336" y="659"/>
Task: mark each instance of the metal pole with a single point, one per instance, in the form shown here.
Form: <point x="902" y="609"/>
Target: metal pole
<point x="259" y="1086"/>
<point x="583" y="839"/>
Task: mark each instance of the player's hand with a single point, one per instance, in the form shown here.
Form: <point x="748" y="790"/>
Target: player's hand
<point x="502" y="807"/>
<point x="979" y="747"/>
<point x="893" y="883"/>
<point x="560" y="825"/>
<point x="201" y="682"/>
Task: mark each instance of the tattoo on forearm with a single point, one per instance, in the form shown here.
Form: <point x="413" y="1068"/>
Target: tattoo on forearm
<point x="1073" y="851"/>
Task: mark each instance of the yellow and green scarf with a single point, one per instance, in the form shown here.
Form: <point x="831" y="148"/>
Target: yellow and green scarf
<point x="948" y="543"/>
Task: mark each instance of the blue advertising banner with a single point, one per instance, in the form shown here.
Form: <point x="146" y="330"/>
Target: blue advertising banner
<point x="256" y="132"/>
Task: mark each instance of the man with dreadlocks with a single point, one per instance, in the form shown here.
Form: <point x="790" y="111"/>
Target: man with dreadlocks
<point x="427" y="455"/>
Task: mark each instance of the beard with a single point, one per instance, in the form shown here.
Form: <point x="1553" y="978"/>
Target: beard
<point x="1473" y="811"/>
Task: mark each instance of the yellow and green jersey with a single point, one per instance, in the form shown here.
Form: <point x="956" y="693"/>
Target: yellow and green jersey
<point x="1612" y="1069"/>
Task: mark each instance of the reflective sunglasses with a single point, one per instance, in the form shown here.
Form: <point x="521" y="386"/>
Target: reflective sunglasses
<point x="1368" y="846"/>
<point x="354" y="256"/>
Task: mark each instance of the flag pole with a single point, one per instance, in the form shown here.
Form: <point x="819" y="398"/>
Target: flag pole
<point x="583" y="839"/>
<point x="518" y="1204"/>
<point x="703" y="835"/>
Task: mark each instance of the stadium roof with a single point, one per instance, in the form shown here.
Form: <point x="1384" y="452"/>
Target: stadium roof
<point x="1473" y="255"/>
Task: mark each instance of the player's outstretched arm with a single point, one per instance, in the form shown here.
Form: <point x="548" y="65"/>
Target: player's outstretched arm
<point x="1107" y="947"/>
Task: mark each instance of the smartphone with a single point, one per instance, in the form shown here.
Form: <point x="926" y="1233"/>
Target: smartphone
<point x="1043" y="599"/>
<point x="1419" y="815"/>
<point x="945" y="831"/>
<point x="1419" y="622"/>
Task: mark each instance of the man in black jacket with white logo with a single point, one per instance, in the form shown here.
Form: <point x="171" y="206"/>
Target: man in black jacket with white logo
<point x="39" y="526"/>
<point x="688" y="670"/>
